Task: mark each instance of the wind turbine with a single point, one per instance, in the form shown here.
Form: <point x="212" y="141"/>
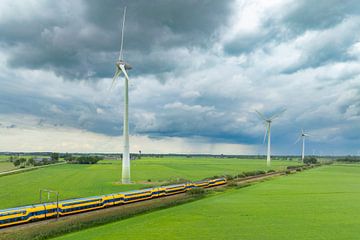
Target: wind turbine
<point x="122" y="67"/>
<point x="267" y="123"/>
<point x="302" y="137"/>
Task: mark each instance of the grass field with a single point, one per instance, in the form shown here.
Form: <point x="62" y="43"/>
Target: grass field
<point x="86" y="180"/>
<point x="321" y="203"/>
<point x="6" y="166"/>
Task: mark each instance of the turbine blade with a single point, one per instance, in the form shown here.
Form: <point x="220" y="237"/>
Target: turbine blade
<point x="266" y="130"/>
<point x="122" y="67"/>
<point x="277" y="114"/>
<point x="116" y="75"/>
<point x="261" y="116"/>
<point x="122" y="36"/>
<point x="298" y="139"/>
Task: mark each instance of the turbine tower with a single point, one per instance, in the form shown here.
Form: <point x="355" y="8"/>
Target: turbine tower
<point x="122" y="67"/>
<point x="302" y="137"/>
<point x="267" y="123"/>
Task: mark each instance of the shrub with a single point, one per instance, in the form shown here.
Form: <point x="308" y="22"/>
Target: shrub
<point x="229" y="177"/>
<point x="260" y="172"/>
<point x="299" y="169"/>
<point x="288" y="172"/>
<point x="254" y="173"/>
<point x="242" y="185"/>
<point x="84" y="159"/>
<point x="271" y="171"/>
<point x="291" y="167"/>
<point x="248" y="174"/>
<point x="241" y="175"/>
<point x="196" y="191"/>
<point x="16" y="162"/>
<point x="310" y="160"/>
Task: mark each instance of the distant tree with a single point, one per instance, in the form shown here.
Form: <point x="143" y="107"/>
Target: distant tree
<point x="54" y="156"/>
<point x="349" y="159"/>
<point x="30" y="162"/>
<point x="310" y="160"/>
<point x="68" y="157"/>
<point x="16" y="162"/>
<point x="22" y="162"/>
<point x="86" y="159"/>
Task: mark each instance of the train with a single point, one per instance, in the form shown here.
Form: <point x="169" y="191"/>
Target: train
<point x="37" y="212"/>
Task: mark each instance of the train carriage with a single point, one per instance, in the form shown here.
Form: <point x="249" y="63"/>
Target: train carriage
<point x="139" y="195"/>
<point x="202" y="184"/>
<point x="174" y="189"/>
<point x="217" y="182"/>
<point x="84" y="204"/>
<point x="24" y="214"/>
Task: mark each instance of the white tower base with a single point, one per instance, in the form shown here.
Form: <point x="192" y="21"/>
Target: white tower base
<point x="126" y="155"/>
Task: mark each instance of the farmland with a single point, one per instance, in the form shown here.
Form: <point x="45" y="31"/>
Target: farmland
<point x="74" y="181"/>
<point x="321" y="203"/>
<point x="6" y="166"/>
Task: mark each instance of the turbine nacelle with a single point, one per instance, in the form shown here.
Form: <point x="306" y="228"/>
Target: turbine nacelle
<point x="125" y="64"/>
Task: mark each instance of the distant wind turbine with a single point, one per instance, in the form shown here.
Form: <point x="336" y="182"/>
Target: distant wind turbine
<point x="302" y="137"/>
<point x="121" y="67"/>
<point x="267" y="123"/>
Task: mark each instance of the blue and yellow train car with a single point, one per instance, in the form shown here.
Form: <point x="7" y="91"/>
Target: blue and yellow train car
<point x="140" y="195"/>
<point x="19" y="215"/>
<point x="202" y="184"/>
<point x="217" y="182"/>
<point x="174" y="189"/>
<point x="84" y="204"/>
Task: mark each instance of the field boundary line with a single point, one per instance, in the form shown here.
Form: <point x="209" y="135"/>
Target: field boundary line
<point x="21" y="170"/>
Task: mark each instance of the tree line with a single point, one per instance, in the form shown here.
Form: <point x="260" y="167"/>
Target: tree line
<point x="82" y="159"/>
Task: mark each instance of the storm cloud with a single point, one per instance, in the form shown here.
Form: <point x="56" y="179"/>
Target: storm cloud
<point x="201" y="69"/>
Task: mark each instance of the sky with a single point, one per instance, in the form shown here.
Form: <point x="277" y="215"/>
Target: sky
<point x="200" y="70"/>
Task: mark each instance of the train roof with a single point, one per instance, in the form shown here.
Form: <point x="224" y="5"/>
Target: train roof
<point x="174" y="185"/>
<point x="20" y="208"/>
<point x="136" y="191"/>
<point x="82" y="199"/>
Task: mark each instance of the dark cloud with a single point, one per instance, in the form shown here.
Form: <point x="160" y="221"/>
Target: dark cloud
<point x="314" y="15"/>
<point x="83" y="42"/>
<point x="299" y="58"/>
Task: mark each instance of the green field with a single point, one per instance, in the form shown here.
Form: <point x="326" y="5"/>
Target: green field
<point x="321" y="203"/>
<point x="6" y="166"/>
<point x="73" y="180"/>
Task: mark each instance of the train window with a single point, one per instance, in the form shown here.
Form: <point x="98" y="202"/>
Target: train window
<point x="12" y="213"/>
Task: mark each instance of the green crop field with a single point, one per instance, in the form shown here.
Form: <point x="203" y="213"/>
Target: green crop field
<point x="6" y="166"/>
<point x="321" y="203"/>
<point x="73" y="180"/>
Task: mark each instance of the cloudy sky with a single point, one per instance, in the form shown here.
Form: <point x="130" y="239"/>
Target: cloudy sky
<point x="200" y="70"/>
